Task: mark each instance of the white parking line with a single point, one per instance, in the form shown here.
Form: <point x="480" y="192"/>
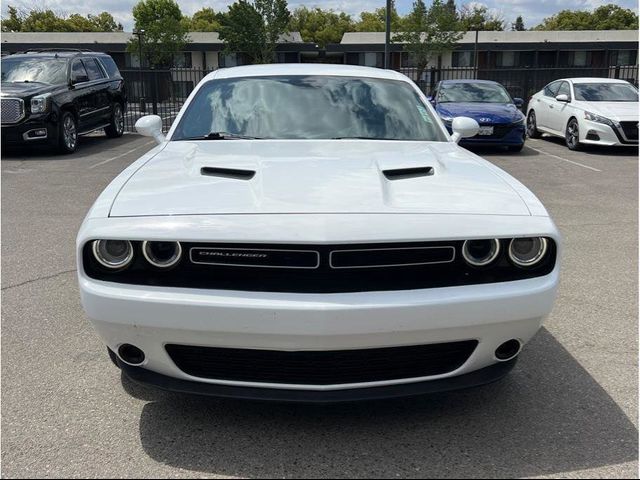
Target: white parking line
<point x="564" y="159"/>
<point x="120" y="156"/>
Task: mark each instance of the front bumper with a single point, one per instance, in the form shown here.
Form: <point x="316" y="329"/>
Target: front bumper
<point x="23" y="132"/>
<point x="594" y="133"/>
<point x="515" y="136"/>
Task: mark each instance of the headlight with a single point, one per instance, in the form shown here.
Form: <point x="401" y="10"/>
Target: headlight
<point x="40" y="104"/>
<point x="526" y="252"/>
<point x="597" y="118"/>
<point x="113" y="254"/>
<point x="162" y="254"/>
<point x="480" y="252"/>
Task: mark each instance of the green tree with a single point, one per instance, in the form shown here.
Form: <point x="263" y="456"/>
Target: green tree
<point x="13" y="22"/>
<point x="104" y="22"/>
<point x="44" y="21"/>
<point x="204" y="20"/>
<point x="429" y="32"/>
<point x="255" y="28"/>
<point x="477" y="17"/>
<point x="606" y="17"/>
<point x="376" y="21"/>
<point x="519" y="26"/>
<point x="164" y="33"/>
<point x="320" y="26"/>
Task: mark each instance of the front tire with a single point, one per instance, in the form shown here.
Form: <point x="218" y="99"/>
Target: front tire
<point x="68" y="133"/>
<point x="572" y="135"/>
<point x="532" y="127"/>
<point x="113" y="357"/>
<point x="116" y="127"/>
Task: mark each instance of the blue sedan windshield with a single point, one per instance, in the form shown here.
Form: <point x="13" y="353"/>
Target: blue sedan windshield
<point x="473" y="93"/>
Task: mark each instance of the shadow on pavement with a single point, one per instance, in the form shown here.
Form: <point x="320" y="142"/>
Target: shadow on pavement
<point x="547" y="417"/>
<point x="88" y="146"/>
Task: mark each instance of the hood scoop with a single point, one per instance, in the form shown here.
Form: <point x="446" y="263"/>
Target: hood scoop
<point x="404" y="173"/>
<point x="233" y="173"/>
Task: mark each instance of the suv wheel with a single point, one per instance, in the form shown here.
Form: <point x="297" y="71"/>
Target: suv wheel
<point x="532" y="128"/>
<point x="572" y="135"/>
<point x="68" y="137"/>
<point x="116" y="127"/>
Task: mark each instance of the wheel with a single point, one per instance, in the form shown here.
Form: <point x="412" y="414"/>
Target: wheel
<point x="572" y="135"/>
<point x="113" y="357"/>
<point x="515" y="148"/>
<point x="68" y="135"/>
<point x="532" y="128"/>
<point x="116" y="127"/>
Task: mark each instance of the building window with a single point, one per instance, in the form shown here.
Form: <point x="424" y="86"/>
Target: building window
<point x="371" y="59"/>
<point x="576" y="58"/>
<point x="407" y="61"/>
<point x="506" y="59"/>
<point x="462" y="59"/>
<point x="131" y="60"/>
<point x="182" y="89"/>
<point x="547" y="58"/>
<point x="182" y="60"/>
<point x="624" y="57"/>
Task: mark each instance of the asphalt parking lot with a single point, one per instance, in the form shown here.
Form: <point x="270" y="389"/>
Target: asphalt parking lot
<point x="569" y="408"/>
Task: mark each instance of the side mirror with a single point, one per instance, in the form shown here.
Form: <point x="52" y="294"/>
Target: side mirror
<point x="464" y="127"/>
<point x="150" y="126"/>
<point x="518" y="102"/>
<point x="563" y="97"/>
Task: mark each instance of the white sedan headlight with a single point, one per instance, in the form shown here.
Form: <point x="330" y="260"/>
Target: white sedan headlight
<point x="40" y="103"/>
<point x="598" y="119"/>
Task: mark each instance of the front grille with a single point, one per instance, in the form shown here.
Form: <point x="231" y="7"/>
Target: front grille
<point x="12" y="110"/>
<point x="321" y="368"/>
<point x="499" y="130"/>
<point x="318" y="268"/>
<point x="630" y="129"/>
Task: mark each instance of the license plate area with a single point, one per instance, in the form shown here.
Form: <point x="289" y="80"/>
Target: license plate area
<point x="485" y="131"/>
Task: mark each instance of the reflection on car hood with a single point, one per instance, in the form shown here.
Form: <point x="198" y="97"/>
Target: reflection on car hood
<point x="481" y="112"/>
<point x="314" y="176"/>
<point x="619" y="111"/>
<point x="25" y="89"/>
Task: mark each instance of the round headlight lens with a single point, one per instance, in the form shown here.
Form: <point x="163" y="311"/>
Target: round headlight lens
<point x="480" y="252"/>
<point x="113" y="254"/>
<point x="526" y="252"/>
<point x="162" y="254"/>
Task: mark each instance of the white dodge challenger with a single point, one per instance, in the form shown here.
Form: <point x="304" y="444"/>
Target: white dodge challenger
<point x="313" y="233"/>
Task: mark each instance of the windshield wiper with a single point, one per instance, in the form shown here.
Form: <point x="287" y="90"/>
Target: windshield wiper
<point x="222" y="136"/>
<point x="362" y="138"/>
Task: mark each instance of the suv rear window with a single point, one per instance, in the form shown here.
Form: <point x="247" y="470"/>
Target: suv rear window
<point x="110" y="66"/>
<point x="93" y="69"/>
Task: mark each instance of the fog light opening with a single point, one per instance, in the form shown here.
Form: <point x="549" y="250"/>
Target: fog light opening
<point x="131" y="355"/>
<point x="508" y="350"/>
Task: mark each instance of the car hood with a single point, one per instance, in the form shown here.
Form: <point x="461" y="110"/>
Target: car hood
<point x="481" y="112"/>
<point x="308" y="176"/>
<point x="25" y="89"/>
<point x="620" y="111"/>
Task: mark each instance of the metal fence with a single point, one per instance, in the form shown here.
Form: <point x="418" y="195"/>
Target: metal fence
<point x="163" y="92"/>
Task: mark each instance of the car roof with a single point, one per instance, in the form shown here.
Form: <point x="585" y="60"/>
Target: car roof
<point x="306" y="69"/>
<point x="55" y="54"/>
<point x="594" y="80"/>
<point x="470" y="80"/>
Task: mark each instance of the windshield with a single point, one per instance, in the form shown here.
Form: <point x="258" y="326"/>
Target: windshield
<point x="44" y="70"/>
<point x="308" y="107"/>
<point x="473" y="93"/>
<point x="605" y="92"/>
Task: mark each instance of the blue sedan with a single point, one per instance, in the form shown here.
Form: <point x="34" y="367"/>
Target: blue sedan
<point x="489" y="103"/>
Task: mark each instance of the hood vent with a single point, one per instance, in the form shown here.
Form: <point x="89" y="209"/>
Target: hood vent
<point x="404" y="173"/>
<point x="228" y="173"/>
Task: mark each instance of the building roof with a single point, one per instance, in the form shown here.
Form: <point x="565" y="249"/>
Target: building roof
<point x="351" y="38"/>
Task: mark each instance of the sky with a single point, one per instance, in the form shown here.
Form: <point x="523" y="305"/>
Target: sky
<point x="532" y="11"/>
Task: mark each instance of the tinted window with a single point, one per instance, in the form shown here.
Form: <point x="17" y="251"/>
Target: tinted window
<point x="605" y="92"/>
<point x="473" y="92"/>
<point x="309" y="107"/>
<point x="551" y="89"/>
<point x="93" y="69"/>
<point x="564" y="89"/>
<point x="78" y="72"/>
<point x="110" y="66"/>
<point x="44" y="70"/>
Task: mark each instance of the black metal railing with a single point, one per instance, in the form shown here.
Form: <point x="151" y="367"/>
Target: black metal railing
<point x="163" y="91"/>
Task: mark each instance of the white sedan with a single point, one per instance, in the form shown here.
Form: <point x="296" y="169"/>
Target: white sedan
<point x="313" y="233"/>
<point x="586" y="111"/>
